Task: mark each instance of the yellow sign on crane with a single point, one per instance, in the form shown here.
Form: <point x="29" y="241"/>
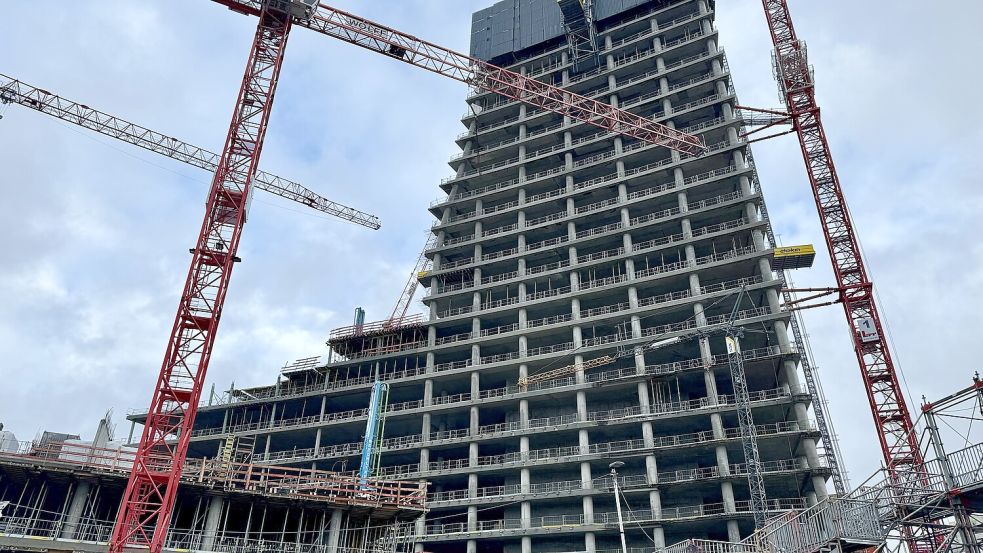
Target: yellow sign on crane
<point x="794" y="257"/>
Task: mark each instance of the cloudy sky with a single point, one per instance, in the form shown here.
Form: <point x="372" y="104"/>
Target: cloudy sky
<point x="94" y="234"/>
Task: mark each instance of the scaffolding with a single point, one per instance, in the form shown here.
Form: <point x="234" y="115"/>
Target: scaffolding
<point x="58" y="491"/>
<point x="941" y="499"/>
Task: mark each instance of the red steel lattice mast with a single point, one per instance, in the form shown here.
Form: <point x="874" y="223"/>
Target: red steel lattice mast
<point x="894" y="425"/>
<point x="145" y="510"/>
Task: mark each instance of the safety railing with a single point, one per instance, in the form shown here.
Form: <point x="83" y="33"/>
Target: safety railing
<point x="636" y="221"/>
<point x="38" y="524"/>
<point x="375" y="327"/>
<point x="288" y="482"/>
<point x="674" y="110"/>
<point x="659" y="369"/>
<point x="624" y="482"/>
<point x="623" y="415"/>
<point x="640" y="516"/>
<point x="604" y="179"/>
<point x="832" y="520"/>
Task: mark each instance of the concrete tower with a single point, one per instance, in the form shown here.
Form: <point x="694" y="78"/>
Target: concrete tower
<point x="558" y="243"/>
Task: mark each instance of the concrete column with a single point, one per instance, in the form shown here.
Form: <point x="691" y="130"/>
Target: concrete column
<point x="581" y="395"/>
<point x="586" y="480"/>
<point x="421" y="529"/>
<point x="473" y="486"/>
<point x="524" y="477"/>
<point x="79" y="497"/>
<point x="590" y="544"/>
<point x="524" y="403"/>
<point x="334" y="530"/>
<point x="212" y="519"/>
<point x="717" y="67"/>
<point x="474" y="422"/>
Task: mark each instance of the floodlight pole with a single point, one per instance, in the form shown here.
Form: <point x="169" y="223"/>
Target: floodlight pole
<point x="617" y="503"/>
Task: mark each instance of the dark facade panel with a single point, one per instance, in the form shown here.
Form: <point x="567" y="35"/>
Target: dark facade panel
<point x="514" y="25"/>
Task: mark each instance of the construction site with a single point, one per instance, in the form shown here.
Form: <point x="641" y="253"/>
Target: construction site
<point x="600" y="348"/>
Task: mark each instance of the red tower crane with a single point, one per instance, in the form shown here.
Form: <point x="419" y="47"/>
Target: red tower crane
<point x="148" y="500"/>
<point x="145" y="510"/>
<point x="895" y="429"/>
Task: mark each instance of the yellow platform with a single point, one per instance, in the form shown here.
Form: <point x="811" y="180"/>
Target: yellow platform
<point x="794" y="257"/>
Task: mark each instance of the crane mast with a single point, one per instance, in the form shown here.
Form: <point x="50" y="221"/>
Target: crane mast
<point x="891" y="416"/>
<point x="148" y="500"/>
<point x="14" y="91"/>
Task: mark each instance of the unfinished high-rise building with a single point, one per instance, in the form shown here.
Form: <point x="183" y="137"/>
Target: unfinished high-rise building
<point x="558" y="244"/>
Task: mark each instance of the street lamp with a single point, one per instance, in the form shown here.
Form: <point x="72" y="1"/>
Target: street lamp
<point x="617" y="503"/>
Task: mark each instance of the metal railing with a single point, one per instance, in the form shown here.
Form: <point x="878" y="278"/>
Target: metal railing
<point x="625" y="482"/>
<point x="37" y="524"/>
<point x="287" y="482"/>
<point x="641" y="516"/>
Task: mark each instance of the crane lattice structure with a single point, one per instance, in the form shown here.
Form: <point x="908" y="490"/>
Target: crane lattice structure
<point x="420" y="269"/>
<point x="14" y="91"/>
<point x="895" y="429"/>
<point x="147" y="503"/>
<point x="887" y="402"/>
